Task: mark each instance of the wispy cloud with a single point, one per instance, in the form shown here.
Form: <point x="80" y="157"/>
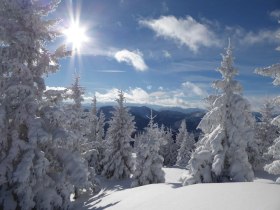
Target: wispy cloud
<point x="262" y="36"/>
<point x="187" y="95"/>
<point x="134" y="58"/>
<point x="243" y="36"/>
<point x="275" y="14"/>
<point x="186" y="31"/>
<point x="55" y="88"/>
<point x="194" y="88"/>
<point x="166" y="54"/>
<point x="193" y="66"/>
<point x="110" y="71"/>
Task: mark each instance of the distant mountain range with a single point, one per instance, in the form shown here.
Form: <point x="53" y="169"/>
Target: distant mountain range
<point x="169" y="117"/>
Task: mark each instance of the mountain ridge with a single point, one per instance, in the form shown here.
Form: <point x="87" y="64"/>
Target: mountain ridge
<point x="169" y="117"/>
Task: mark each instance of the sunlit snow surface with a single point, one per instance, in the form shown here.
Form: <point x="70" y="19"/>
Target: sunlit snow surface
<point x="262" y="194"/>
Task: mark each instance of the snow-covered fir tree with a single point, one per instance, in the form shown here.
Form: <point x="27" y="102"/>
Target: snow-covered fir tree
<point x="37" y="169"/>
<point x="55" y="119"/>
<point x="274" y="150"/>
<point x="168" y="151"/>
<point x="149" y="162"/>
<point x="76" y="122"/>
<point x="253" y="151"/>
<point x="77" y="93"/>
<point x="96" y="137"/>
<point x="266" y="133"/>
<point x="101" y="127"/>
<point x="186" y="143"/>
<point x="228" y="127"/>
<point x="118" y="162"/>
<point x="182" y="132"/>
<point x="78" y="127"/>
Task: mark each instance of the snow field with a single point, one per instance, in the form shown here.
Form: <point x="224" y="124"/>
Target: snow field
<point x="262" y="194"/>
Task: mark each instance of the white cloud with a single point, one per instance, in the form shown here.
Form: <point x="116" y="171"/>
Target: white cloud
<point x="110" y="71"/>
<point x="262" y="36"/>
<point x="185" y="31"/>
<point x="109" y="96"/>
<point x="166" y="54"/>
<point x="188" y="86"/>
<point x="134" y="58"/>
<point x="242" y="36"/>
<point x="275" y="14"/>
<point x="55" y="88"/>
<point x="188" y="95"/>
<point x="87" y="99"/>
<point x="137" y="95"/>
<point x="149" y="87"/>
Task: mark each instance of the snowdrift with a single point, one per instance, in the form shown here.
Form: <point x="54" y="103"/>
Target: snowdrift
<point x="262" y="194"/>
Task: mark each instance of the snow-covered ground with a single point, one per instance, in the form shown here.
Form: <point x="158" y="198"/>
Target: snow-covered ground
<point x="262" y="194"/>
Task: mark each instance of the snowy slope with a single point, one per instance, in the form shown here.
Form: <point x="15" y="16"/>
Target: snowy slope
<point x="262" y="194"/>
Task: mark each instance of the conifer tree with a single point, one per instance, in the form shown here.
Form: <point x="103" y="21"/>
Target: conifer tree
<point x="101" y="127"/>
<point x="186" y="143"/>
<point x="118" y="162"/>
<point x="55" y="119"/>
<point x="149" y="162"/>
<point x="37" y="170"/>
<point x="182" y="132"/>
<point x="266" y="132"/>
<point x="168" y="151"/>
<point x="96" y="137"/>
<point x="228" y="127"/>
<point x="253" y="151"/>
<point x="77" y="126"/>
<point x="76" y="123"/>
<point x="274" y="150"/>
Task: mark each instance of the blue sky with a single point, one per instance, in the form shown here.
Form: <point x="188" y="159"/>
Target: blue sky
<point x="166" y="53"/>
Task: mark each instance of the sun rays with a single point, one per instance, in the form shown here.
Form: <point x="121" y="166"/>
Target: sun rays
<point x="76" y="35"/>
<point x="76" y="30"/>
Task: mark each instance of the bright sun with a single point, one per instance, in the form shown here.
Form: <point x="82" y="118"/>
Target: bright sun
<point x="76" y="35"/>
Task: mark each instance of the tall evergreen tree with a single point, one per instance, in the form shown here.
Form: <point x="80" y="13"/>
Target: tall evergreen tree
<point x="96" y="137"/>
<point x="266" y="132"/>
<point x="37" y="170"/>
<point x="78" y="127"/>
<point x="182" y="132"/>
<point x="228" y="127"/>
<point x="274" y="150"/>
<point x="118" y="162"/>
<point x="169" y="150"/>
<point x="186" y="143"/>
<point x="149" y="162"/>
<point x="76" y="122"/>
